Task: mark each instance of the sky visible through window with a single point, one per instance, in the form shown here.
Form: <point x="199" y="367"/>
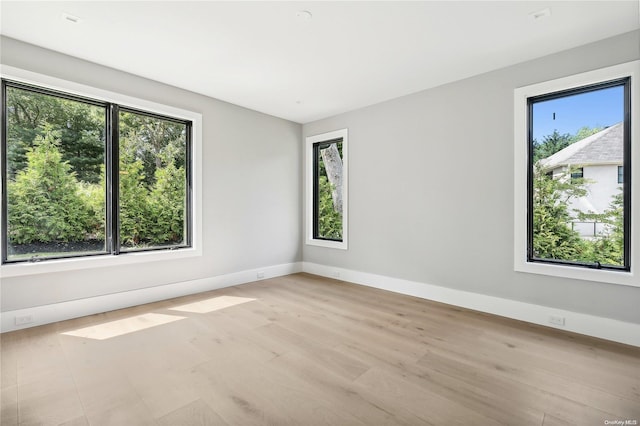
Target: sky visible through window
<point x="601" y="108"/>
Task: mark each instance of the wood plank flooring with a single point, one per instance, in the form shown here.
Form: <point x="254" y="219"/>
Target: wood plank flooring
<point x="305" y="350"/>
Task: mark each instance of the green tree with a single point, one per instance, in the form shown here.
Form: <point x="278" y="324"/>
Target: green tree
<point x="553" y="237"/>
<point x="27" y="113"/>
<point x="608" y="247"/>
<point x="44" y="200"/>
<point x="550" y="145"/>
<point x="80" y="130"/>
<point x="585" y="132"/>
<point x="156" y="142"/>
<point x="329" y="220"/>
<point x="94" y="195"/>
<point x="167" y="205"/>
<point x="134" y="208"/>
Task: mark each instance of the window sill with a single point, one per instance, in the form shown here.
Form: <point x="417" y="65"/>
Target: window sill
<point x="577" y="273"/>
<point x="73" y="264"/>
<point x="327" y="243"/>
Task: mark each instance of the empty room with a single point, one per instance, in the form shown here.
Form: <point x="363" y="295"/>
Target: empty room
<point x="320" y="213"/>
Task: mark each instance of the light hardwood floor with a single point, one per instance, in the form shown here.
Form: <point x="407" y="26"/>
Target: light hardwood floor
<point x="311" y="351"/>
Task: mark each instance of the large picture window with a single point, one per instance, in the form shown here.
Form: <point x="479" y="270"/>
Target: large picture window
<point x="327" y="189"/>
<point x="578" y="212"/>
<point x="84" y="177"/>
<point x="575" y="168"/>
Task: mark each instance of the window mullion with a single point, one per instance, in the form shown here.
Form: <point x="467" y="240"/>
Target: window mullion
<point x="113" y="175"/>
<point x="189" y="184"/>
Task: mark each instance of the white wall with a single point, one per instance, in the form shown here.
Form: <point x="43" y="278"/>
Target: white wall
<point x="603" y="185"/>
<point x="251" y="190"/>
<point x="431" y="200"/>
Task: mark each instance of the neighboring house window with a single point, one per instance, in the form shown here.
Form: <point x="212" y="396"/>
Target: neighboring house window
<point x="85" y="177"/>
<point x="620" y="174"/>
<point x="577" y="174"/>
<point x="327" y="189"/>
<point x="577" y="222"/>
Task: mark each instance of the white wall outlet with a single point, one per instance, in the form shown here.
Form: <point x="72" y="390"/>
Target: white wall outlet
<point x="260" y="275"/>
<point x="24" y="319"/>
<point x="335" y="274"/>
<point x="556" y="320"/>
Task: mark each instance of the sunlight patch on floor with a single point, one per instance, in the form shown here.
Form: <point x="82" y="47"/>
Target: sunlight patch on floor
<point x="213" y="304"/>
<point x="124" y="326"/>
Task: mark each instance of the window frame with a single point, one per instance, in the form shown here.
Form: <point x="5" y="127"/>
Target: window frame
<point x="91" y="94"/>
<point x="578" y="173"/>
<point x="312" y="145"/>
<point x="115" y="181"/>
<point x="522" y="260"/>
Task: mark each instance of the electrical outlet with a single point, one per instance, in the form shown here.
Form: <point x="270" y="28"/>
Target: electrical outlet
<point x="260" y="274"/>
<point x="24" y="319"/>
<point x="335" y="274"/>
<point x="556" y="320"/>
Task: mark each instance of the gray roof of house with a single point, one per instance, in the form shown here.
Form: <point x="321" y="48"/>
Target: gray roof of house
<point x="604" y="147"/>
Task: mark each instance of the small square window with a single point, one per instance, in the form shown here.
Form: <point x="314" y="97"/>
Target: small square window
<point x="577" y="174"/>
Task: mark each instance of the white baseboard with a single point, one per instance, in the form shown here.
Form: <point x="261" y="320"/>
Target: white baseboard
<point x="47" y="314"/>
<point x="604" y="328"/>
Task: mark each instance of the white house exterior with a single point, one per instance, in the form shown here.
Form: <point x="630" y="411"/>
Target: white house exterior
<point x="600" y="158"/>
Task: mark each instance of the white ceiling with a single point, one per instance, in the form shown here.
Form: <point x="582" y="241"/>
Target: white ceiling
<point x="263" y="56"/>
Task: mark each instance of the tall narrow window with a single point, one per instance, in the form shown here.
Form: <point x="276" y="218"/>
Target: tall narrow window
<point x="578" y="139"/>
<point x="327" y="189"/>
<point x="86" y="177"/>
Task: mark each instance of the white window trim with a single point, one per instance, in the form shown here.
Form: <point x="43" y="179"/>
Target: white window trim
<point x="629" y="69"/>
<point x="98" y="261"/>
<point x="344" y="134"/>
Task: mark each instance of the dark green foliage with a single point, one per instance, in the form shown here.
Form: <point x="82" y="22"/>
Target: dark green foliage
<point x="550" y="145"/>
<point x="155" y="142"/>
<point x="329" y="220"/>
<point x="167" y="205"/>
<point x="56" y="173"/>
<point x="152" y="181"/>
<point x="134" y="209"/>
<point x="82" y="136"/>
<point x="80" y="130"/>
<point x="555" y="142"/>
<point x="44" y="200"/>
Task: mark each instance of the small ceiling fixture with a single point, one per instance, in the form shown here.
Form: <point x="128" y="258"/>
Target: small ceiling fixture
<point x="304" y="15"/>
<point x="70" y="18"/>
<point x="540" y="14"/>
